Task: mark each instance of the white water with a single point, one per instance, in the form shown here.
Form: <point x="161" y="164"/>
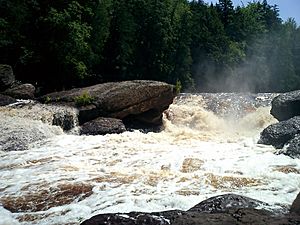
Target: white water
<point x="70" y="178"/>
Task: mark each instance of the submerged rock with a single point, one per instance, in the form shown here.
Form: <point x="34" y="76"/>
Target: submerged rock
<point x="286" y="105"/>
<point x="280" y="133"/>
<point x="101" y="126"/>
<point x="141" y="99"/>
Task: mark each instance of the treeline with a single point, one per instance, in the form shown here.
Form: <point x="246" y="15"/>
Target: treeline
<point x="59" y="44"/>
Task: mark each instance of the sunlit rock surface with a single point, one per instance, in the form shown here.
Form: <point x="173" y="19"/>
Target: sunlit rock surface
<point x="286" y="105"/>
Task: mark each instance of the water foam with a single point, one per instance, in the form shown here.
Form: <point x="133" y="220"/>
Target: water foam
<point x="198" y="155"/>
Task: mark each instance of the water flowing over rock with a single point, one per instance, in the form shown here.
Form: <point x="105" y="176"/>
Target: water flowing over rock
<point x="18" y="134"/>
<point x="118" y="100"/>
<point x="101" y="126"/>
<point x="292" y="148"/>
<point x="6" y="76"/>
<point x="280" y="133"/>
<point x="24" y="123"/>
<point x="22" y="91"/>
<point x="286" y="105"/>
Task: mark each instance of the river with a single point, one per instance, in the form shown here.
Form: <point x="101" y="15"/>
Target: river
<point x="208" y="147"/>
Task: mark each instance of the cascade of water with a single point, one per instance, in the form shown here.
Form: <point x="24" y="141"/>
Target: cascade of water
<point x="205" y="149"/>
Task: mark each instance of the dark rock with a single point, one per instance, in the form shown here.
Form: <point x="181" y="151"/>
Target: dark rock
<point x="229" y="209"/>
<point x="286" y="105"/>
<point x="7" y="77"/>
<point x="6" y="100"/>
<point x="141" y="99"/>
<point x="66" y="120"/>
<point x="292" y="148"/>
<point x="22" y="91"/>
<point x="103" y="126"/>
<point x="295" y="208"/>
<point x="280" y="133"/>
<point x="222" y="203"/>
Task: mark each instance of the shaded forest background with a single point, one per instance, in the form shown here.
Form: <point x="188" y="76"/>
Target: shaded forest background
<point x="58" y="44"/>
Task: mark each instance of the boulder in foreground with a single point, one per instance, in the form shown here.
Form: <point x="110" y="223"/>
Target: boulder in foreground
<point x="220" y="210"/>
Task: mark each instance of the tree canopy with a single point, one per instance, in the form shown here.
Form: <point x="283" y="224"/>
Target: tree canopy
<point x="204" y="47"/>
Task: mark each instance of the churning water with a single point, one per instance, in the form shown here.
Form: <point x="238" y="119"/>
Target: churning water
<point x="208" y="147"/>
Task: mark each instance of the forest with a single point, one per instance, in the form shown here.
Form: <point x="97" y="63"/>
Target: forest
<point x="59" y="44"/>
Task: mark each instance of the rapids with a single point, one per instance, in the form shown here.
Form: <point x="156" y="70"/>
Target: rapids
<point x="208" y="147"/>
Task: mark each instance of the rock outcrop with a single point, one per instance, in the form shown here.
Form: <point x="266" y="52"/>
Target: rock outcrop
<point x="284" y="135"/>
<point x="101" y="126"/>
<point x="219" y="210"/>
<point x="6" y="100"/>
<point x="142" y="100"/>
<point x="280" y="133"/>
<point x="22" y="91"/>
<point x="286" y="105"/>
<point x="7" y="77"/>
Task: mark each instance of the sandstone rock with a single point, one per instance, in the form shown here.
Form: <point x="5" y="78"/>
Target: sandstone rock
<point x="103" y="126"/>
<point x="6" y="77"/>
<point x="280" y="133"/>
<point x="141" y="99"/>
<point x="22" y="91"/>
<point x="6" y="100"/>
<point x="286" y="105"/>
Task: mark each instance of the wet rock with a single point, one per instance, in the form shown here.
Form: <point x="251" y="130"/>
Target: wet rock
<point x="295" y="208"/>
<point x="222" y="203"/>
<point x="6" y="100"/>
<point x="205" y="213"/>
<point x="280" y="133"/>
<point x="18" y="134"/>
<point x="7" y="77"/>
<point x="101" y="126"/>
<point x="292" y="148"/>
<point x="143" y="100"/>
<point x="22" y="91"/>
<point x="286" y="105"/>
<point x="65" y="120"/>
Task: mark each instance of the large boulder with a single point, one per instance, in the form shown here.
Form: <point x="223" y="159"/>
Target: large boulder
<point x="286" y="105"/>
<point x="118" y="100"/>
<point x="101" y="126"/>
<point x="205" y="213"/>
<point x="7" y="77"/>
<point x="222" y="203"/>
<point x="6" y="100"/>
<point x="22" y="91"/>
<point x="280" y="133"/>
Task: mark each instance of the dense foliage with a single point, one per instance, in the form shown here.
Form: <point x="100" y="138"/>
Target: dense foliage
<point x="203" y="47"/>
